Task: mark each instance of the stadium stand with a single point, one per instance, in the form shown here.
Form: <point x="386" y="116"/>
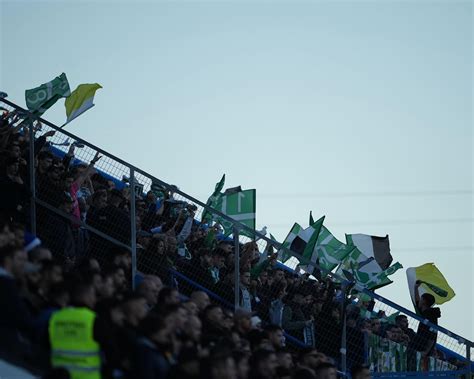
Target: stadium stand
<point x="107" y="272"/>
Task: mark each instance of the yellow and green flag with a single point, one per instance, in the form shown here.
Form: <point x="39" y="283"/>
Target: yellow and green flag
<point x="432" y="281"/>
<point x="81" y="99"/>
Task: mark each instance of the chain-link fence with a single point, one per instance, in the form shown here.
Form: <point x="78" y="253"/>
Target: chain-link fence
<point x="87" y="204"/>
<point x="400" y="343"/>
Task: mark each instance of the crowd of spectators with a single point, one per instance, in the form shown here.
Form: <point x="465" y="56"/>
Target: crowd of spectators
<point x="162" y="325"/>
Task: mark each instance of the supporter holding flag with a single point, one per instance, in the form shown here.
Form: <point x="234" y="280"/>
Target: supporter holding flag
<point x="430" y="280"/>
<point x="427" y="287"/>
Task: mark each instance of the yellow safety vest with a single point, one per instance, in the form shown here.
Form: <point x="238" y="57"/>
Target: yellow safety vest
<point x="71" y="334"/>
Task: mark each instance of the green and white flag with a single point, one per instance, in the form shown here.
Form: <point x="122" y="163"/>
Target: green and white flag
<point x="240" y="206"/>
<point x="382" y="279"/>
<point x="301" y="241"/>
<point x="235" y="203"/>
<point x="365" y="271"/>
<point x="283" y="254"/>
<point x="372" y="246"/>
<point x="81" y="100"/>
<point x="212" y="201"/>
<point x="40" y="99"/>
<point x="330" y="251"/>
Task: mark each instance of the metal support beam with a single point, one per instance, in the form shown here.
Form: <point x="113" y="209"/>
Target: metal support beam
<point x="133" y="226"/>
<point x="31" y="163"/>
<point x="236" y="268"/>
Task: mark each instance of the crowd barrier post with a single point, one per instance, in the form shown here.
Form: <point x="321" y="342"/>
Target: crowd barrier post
<point x="236" y="268"/>
<point x="468" y="359"/>
<point x="31" y="163"/>
<point x="133" y="226"/>
<point x="345" y="288"/>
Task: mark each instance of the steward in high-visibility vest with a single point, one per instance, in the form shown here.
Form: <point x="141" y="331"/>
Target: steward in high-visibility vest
<point x="71" y="335"/>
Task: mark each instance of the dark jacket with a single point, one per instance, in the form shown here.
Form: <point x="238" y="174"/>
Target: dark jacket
<point x="13" y="198"/>
<point x="114" y="222"/>
<point x="424" y="336"/>
<point x="149" y="362"/>
<point x="293" y="317"/>
<point x="328" y="331"/>
<point x="16" y="320"/>
<point x="56" y="232"/>
<point x="294" y="320"/>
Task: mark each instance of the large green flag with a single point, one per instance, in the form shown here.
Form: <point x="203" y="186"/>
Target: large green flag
<point x="301" y="241"/>
<point x="330" y="251"/>
<point x="240" y="206"/>
<point x="41" y="98"/>
<point x="236" y="203"/>
<point x="365" y="271"/>
<point x="212" y="201"/>
<point x="283" y="254"/>
<point x="382" y="279"/>
<point x="309" y="253"/>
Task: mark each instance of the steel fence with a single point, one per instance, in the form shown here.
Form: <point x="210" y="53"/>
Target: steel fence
<point x="391" y="350"/>
<point x="88" y="204"/>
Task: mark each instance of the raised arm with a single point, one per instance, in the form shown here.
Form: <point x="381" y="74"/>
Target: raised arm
<point x="417" y="294"/>
<point x="80" y="180"/>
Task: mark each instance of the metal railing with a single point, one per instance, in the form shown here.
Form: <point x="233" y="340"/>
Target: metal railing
<point x="158" y="245"/>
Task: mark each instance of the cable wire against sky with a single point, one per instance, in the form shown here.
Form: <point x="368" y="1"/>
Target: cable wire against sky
<point x="368" y="194"/>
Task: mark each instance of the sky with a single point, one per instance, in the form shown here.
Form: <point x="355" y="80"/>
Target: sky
<point x="357" y="110"/>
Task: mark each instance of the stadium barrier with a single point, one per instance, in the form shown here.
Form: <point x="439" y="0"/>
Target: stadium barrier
<point x="150" y="252"/>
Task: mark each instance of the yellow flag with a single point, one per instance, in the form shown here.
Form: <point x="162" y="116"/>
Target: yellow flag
<point x="432" y="282"/>
<point x="81" y="99"/>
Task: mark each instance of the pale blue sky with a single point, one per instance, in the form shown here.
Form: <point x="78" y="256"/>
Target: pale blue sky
<point x="361" y="111"/>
